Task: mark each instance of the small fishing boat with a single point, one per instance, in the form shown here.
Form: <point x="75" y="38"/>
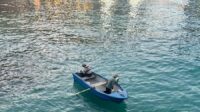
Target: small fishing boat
<point x="97" y="86"/>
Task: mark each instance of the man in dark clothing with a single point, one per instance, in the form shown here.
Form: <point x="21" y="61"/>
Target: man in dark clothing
<point x="111" y="83"/>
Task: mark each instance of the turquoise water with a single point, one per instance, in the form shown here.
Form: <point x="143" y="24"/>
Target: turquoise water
<point x="154" y="46"/>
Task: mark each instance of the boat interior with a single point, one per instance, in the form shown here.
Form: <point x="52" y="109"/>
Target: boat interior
<point x="98" y="82"/>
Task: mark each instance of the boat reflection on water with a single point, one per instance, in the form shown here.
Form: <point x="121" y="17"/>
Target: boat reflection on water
<point x="101" y="105"/>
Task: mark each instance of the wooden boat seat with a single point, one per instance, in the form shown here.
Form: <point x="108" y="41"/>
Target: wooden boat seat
<point x="98" y="84"/>
<point x="87" y="78"/>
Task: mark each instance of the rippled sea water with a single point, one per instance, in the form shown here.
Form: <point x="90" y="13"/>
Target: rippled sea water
<point x="154" y="45"/>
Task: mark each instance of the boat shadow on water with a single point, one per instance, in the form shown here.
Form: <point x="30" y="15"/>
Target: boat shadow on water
<point x="99" y="104"/>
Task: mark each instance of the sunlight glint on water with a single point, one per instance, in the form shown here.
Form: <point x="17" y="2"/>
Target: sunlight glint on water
<point x="153" y="45"/>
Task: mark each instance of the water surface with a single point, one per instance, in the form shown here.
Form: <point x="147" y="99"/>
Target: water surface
<point x="154" y="45"/>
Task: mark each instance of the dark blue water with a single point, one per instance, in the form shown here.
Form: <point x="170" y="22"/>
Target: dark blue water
<point x="154" y="46"/>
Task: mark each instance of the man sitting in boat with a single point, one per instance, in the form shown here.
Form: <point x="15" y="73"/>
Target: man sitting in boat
<point x="110" y="84"/>
<point x="86" y="72"/>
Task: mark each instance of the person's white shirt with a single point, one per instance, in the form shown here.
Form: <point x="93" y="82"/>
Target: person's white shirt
<point x="86" y="69"/>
